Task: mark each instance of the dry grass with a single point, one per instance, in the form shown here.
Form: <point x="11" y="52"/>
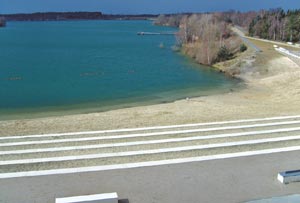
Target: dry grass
<point x="268" y="51"/>
<point x="234" y="66"/>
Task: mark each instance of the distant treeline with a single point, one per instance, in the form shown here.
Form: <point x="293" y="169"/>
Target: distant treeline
<point x="276" y="24"/>
<point x="56" y="16"/>
<point x="234" y="17"/>
<point x="208" y="37"/>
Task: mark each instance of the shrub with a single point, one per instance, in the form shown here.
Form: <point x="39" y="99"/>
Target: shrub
<point x="243" y="48"/>
<point x="224" y="54"/>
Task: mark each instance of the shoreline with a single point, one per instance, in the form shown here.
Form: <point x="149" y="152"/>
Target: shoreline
<point x="273" y="89"/>
<point x="166" y="86"/>
<point x="165" y="97"/>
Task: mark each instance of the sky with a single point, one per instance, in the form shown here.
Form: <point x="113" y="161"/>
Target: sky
<point x="142" y="6"/>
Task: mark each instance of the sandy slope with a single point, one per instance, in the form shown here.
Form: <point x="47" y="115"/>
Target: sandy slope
<point x="273" y="89"/>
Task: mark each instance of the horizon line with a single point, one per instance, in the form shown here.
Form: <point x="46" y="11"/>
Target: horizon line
<point x="173" y="13"/>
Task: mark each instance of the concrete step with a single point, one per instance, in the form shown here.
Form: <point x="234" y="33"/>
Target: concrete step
<point x="213" y="126"/>
<point x="147" y="144"/>
<point x="98" y="142"/>
<point x="18" y="145"/>
<point x="138" y="156"/>
<point x="21" y="155"/>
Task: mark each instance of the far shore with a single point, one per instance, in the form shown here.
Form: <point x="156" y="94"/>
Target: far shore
<point x="273" y="89"/>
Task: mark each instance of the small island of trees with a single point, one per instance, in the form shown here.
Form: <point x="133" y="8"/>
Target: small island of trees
<point x="2" y="22"/>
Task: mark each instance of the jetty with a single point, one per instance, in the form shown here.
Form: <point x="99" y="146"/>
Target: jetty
<point x="156" y="33"/>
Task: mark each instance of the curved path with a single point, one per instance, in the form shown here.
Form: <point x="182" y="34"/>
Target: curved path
<point x="242" y="35"/>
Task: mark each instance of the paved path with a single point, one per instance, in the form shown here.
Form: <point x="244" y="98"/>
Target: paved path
<point x="241" y="33"/>
<point x="245" y="39"/>
<point x="225" y="181"/>
<point x="294" y="56"/>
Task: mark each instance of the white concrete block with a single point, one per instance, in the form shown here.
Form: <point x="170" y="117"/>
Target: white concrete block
<point x="97" y="198"/>
<point x="289" y="176"/>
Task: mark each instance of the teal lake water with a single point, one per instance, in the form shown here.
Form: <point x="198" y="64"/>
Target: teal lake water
<point x="85" y="66"/>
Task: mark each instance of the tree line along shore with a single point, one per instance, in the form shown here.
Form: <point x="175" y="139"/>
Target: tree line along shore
<point x="208" y="37"/>
<point x="60" y="16"/>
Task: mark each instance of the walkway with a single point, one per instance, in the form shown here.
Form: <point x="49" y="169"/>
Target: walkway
<point x="239" y="31"/>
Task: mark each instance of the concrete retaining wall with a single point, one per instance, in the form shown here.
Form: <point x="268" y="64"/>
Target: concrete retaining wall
<point x="98" y="198"/>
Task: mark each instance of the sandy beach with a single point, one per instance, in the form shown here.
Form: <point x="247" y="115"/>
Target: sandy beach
<point x="273" y="89"/>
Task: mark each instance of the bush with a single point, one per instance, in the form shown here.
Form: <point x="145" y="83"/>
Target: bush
<point x="224" y="54"/>
<point x="243" y="48"/>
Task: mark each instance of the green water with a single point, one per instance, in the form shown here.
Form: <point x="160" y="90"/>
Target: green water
<point x="51" y="68"/>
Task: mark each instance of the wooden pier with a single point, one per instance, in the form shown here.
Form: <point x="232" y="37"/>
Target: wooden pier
<point x="156" y="33"/>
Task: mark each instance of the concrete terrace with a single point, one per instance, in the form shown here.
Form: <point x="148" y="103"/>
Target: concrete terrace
<point x="190" y="163"/>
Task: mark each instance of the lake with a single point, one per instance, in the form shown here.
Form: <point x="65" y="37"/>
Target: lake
<point x="66" y="67"/>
